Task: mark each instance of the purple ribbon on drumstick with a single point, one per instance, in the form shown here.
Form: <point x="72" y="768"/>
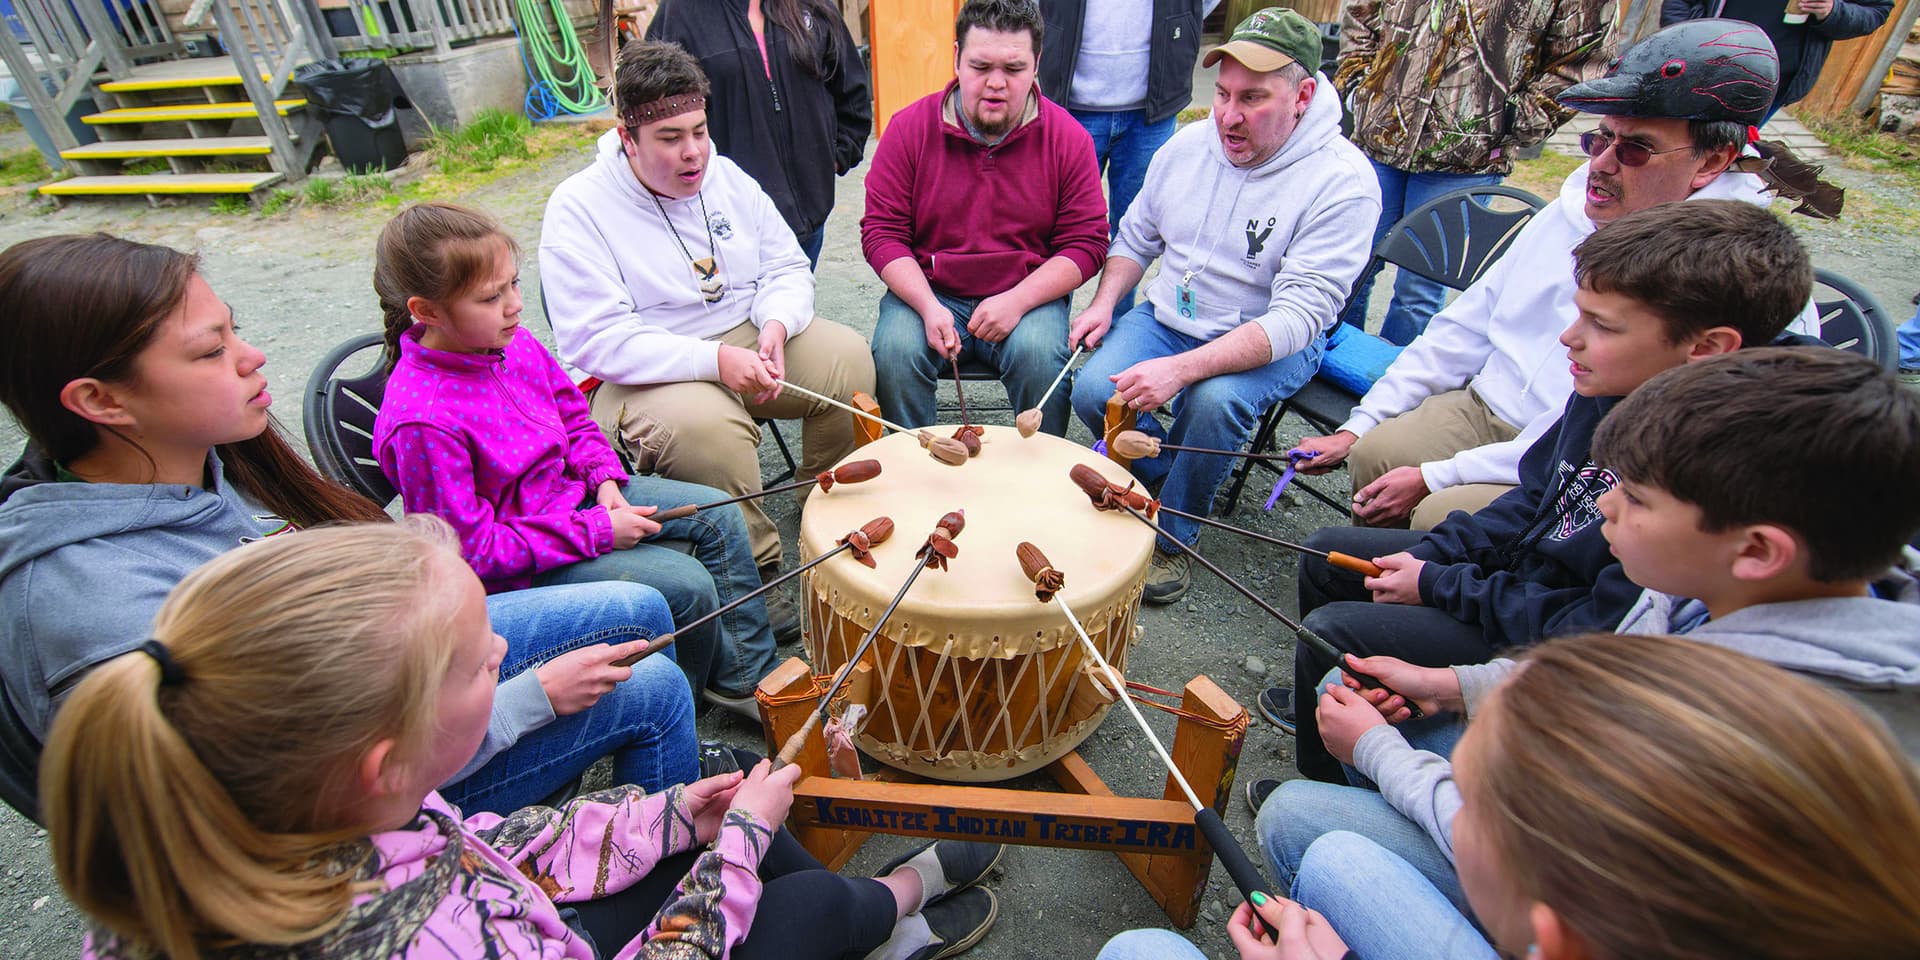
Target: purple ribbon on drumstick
<point x="1294" y="457"/>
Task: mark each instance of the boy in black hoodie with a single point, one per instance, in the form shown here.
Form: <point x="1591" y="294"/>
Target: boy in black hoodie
<point x="1665" y="286"/>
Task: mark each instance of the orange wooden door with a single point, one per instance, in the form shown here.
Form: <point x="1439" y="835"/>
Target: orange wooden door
<point x="912" y="52"/>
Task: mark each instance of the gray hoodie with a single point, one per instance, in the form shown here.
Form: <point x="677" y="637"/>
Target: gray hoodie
<point x="1279" y="244"/>
<point x="84" y="568"/>
<point x="1865" y="647"/>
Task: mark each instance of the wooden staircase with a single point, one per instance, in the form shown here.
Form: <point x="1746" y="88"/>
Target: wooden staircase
<point x="196" y="116"/>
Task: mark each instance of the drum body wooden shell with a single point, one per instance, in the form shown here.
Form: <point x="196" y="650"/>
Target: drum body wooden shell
<point x="975" y="680"/>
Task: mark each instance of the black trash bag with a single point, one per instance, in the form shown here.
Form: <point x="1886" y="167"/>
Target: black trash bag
<point x="363" y="89"/>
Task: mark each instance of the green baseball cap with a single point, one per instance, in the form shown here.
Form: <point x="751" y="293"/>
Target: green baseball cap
<point x="1269" y="40"/>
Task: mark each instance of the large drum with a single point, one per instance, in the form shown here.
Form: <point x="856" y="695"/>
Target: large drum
<point x="974" y="679"/>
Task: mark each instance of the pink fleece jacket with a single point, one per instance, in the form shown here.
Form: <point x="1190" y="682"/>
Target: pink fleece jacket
<point x="979" y="219"/>
<point x="443" y="888"/>
<point x="501" y="446"/>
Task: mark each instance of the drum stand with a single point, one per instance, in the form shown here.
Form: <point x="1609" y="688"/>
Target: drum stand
<point x="1156" y="839"/>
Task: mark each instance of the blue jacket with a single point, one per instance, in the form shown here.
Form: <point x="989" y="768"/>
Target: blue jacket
<point x="1849" y="19"/>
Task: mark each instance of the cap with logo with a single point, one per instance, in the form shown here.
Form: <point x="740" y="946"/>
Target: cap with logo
<point x="1269" y="40"/>
<point x="1697" y="70"/>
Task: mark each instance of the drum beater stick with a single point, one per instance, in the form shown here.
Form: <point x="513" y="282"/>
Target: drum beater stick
<point x="1028" y="422"/>
<point x="935" y="553"/>
<point x="859" y="541"/>
<point x="859" y="471"/>
<point x="944" y="449"/>
<point x="1245" y="875"/>
<point x="1334" y="557"/>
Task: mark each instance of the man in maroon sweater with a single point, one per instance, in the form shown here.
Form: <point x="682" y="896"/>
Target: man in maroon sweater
<point x="984" y="213"/>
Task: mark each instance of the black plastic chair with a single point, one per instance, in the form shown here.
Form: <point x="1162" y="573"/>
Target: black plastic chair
<point x="1851" y="319"/>
<point x="1451" y="240"/>
<point x="338" y="418"/>
<point x="971" y="371"/>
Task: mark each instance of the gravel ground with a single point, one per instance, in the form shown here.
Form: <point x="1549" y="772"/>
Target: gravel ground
<point x="299" y="282"/>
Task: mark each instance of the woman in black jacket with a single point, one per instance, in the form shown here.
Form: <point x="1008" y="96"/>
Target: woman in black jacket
<point x="1801" y="30"/>
<point x="790" y="102"/>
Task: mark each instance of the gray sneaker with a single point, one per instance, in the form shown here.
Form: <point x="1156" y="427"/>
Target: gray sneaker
<point x="1910" y="376"/>
<point x="1168" y="579"/>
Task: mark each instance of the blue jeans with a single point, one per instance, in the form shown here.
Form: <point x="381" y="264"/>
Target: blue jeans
<point x="1149" y="945"/>
<point x="1381" y="905"/>
<point x="729" y="655"/>
<point x="1437" y="734"/>
<point x="1218" y="413"/>
<point x="1300" y="812"/>
<point x="810" y="244"/>
<point x="907" y="371"/>
<point x="1123" y="144"/>
<point x="1909" y="337"/>
<point x="645" y="723"/>
<point x="1415" y="299"/>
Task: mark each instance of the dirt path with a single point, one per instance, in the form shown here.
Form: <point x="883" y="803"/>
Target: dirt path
<point x="300" y="283"/>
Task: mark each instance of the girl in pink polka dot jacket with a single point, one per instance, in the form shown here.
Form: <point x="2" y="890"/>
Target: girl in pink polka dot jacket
<point x="481" y="427"/>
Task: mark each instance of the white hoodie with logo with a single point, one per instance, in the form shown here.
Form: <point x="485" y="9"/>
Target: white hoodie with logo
<point x="1502" y="338"/>
<point x="623" y="296"/>
<point x="1279" y="244"/>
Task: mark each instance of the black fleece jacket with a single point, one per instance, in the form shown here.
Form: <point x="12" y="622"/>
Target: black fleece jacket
<point x="1849" y="19"/>
<point x="792" y="133"/>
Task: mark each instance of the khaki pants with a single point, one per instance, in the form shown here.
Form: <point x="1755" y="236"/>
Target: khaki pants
<point x="702" y="432"/>
<point x="1441" y="426"/>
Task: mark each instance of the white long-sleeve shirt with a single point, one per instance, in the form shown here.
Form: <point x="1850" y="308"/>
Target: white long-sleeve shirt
<point x="1501" y="338"/>
<point x="623" y="296"/>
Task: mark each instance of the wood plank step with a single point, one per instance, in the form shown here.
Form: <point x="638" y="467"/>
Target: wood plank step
<point x="161" y="183"/>
<point x="178" y="75"/>
<point x="231" y="110"/>
<point x="175" y="147"/>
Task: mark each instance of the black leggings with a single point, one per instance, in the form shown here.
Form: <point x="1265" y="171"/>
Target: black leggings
<point x="806" y="911"/>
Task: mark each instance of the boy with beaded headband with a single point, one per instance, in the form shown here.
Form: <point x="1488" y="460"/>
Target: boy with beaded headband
<point x="669" y="274"/>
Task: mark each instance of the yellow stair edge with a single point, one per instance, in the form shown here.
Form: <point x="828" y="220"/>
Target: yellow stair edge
<point x="231" y="110"/>
<point x="172" y="183"/>
<point x="177" y="147"/>
<point x="210" y="79"/>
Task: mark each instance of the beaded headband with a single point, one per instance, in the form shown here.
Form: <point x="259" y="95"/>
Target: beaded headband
<point x="663" y="108"/>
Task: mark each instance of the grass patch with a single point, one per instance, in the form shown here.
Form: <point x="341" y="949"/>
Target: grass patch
<point x="1863" y="147"/>
<point x="232" y="203"/>
<point x="1543" y="175"/>
<point x="492" y="136"/>
<point x="149" y="165"/>
<point x="279" y="200"/>
<point x="23" y="166"/>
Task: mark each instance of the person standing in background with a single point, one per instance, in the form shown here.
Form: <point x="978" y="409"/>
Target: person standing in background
<point x="1125" y="71"/>
<point x="1801" y="30"/>
<point x="1442" y="97"/>
<point x="790" y="102"/>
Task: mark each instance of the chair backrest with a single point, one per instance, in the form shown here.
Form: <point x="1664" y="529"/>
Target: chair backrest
<point x="1851" y="319"/>
<point x="1453" y="238"/>
<point x="19" y="762"/>
<point x="339" y="419"/>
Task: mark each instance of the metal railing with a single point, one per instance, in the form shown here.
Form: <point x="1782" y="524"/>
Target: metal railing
<point x="437" y="25"/>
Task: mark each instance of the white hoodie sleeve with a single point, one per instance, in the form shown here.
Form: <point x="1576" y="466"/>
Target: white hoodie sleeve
<point x="594" y="321"/>
<point x="1321" y="263"/>
<point x="1493" y="462"/>
<point x="1445" y="357"/>
<point x="785" y="291"/>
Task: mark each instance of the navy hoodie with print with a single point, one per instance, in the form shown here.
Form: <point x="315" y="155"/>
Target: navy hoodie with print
<point x="1532" y="564"/>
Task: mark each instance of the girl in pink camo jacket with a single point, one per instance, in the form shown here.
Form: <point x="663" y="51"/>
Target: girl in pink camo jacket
<point x="257" y="780"/>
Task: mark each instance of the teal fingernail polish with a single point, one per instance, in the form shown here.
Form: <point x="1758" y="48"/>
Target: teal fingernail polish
<point x="1259" y="899"/>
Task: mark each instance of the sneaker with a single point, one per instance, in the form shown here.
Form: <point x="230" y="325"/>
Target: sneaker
<point x="1276" y="705"/>
<point x="739" y="703"/>
<point x="1259" y="790"/>
<point x="962" y="864"/>
<point x="957" y="923"/>
<point x="1910" y="376"/>
<point x="717" y="758"/>
<point x="1168" y="579"/>
<point x="783" y="615"/>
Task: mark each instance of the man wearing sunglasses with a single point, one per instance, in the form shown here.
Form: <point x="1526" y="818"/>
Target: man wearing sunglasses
<point x="1444" y="429"/>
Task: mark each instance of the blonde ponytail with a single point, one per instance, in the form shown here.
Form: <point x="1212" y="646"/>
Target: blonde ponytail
<point x="222" y="808"/>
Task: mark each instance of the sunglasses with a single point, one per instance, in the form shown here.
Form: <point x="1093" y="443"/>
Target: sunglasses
<point x="1593" y="143"/>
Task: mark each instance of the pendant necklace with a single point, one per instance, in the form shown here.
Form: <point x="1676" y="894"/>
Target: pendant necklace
<point x="711" y="287"/>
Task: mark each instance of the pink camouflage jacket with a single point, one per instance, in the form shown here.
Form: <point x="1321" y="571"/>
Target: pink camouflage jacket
<point x="445" y="889"/>
<point x="502" y="447"/>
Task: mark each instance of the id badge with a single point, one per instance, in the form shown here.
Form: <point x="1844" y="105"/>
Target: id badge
<point x="1183" y="301"/>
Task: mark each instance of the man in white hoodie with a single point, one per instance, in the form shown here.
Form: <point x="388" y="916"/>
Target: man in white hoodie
<point x="1254" y="276"/>
<point x="1444" y="429"/>
<point x="670" y="275"/>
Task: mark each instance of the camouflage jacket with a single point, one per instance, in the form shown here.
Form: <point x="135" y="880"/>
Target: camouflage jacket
<point x="1458" y="85"/>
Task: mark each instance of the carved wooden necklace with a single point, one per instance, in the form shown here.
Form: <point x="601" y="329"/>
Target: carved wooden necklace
<point x="708" y="268"/>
